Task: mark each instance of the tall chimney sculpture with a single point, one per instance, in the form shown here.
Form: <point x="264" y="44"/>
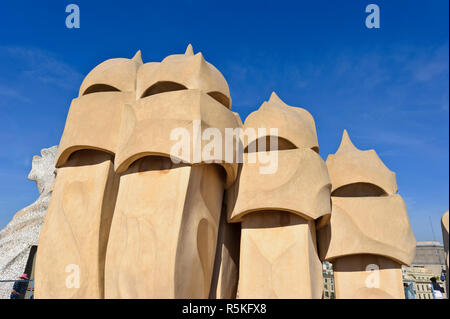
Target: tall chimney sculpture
<point x="72" y="243"/>
<point x="368" y="236"/>
<point x="278" y="205"/>
<point x="163" y="236"/>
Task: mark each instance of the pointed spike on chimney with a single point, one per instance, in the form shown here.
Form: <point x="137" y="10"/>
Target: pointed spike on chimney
<point x="199" y="60"/>
<point x="346" y="143"/>
<point x="138" y="57"/>
<point x="274" y="98"/>
<point x="189" y="50"/>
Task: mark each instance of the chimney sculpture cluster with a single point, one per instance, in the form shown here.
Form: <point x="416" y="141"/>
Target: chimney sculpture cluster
<point x="131" y="218"/>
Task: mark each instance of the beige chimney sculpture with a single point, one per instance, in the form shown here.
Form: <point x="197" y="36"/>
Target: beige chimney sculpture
<point x="368" y="236"/>
<point x="277" y="210"/>
<point x="150" y="201"/>
<point x="167" y="215"/>
<point x="72" y="243"/>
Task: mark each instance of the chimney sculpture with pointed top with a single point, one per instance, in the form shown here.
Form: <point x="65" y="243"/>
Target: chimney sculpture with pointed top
<point x="368" y="236"/>
<point x="167" y="216"/>
<point x="277" y="211"/>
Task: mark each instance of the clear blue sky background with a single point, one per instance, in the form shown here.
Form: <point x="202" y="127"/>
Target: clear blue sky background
<point x="388" y="86"/>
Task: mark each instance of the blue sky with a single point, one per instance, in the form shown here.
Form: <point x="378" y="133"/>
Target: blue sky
<point x="387" y="86"/>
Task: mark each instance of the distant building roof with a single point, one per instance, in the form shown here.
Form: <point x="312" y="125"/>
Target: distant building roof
<point x="428" y="243"/>
<point x="429" y="253"/>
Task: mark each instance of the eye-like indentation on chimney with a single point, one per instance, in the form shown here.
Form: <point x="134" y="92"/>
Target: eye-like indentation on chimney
<point x="221" y="98"/>
<point x="162" y="87"/>
<point x="283" y="144"/>
<point x="95" y="88"/>
<point x="359" y="190"/>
